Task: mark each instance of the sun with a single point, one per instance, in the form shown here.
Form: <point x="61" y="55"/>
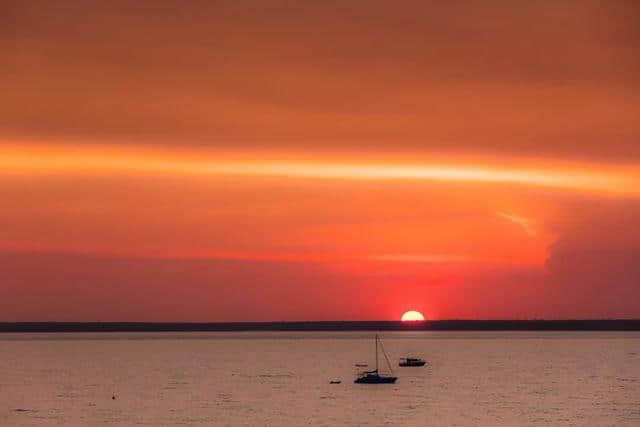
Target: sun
<point x="412" y="316"/>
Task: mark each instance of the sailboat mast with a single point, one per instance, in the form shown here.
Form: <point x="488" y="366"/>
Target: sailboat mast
<point x="376" y="352"/>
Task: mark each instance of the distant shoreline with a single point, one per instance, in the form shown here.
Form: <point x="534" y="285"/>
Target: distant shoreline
<point x="434" y="325"/>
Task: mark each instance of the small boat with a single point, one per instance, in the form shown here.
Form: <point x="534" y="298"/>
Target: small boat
<point x="411" y="361"/>
<point x="374" y="377"/>
<point x="335" y="382"/>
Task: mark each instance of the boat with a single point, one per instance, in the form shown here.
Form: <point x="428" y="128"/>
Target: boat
<point x="374" y="377"/>
<point x="411" y="361"/>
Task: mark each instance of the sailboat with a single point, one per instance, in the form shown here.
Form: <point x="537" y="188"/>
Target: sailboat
<point x="374" y="377"/>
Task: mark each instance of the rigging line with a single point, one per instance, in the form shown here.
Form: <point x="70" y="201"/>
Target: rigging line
<point x="385" y="357"/>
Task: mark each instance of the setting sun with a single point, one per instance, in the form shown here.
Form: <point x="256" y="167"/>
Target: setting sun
<point x="412" y="316"/>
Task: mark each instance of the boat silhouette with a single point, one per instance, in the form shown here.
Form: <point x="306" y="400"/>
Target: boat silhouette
<point x="411" y="361"/>
<point x="374" y="377"/>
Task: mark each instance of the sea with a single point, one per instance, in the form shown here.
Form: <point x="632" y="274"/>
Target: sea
<point x="283" y="379"/>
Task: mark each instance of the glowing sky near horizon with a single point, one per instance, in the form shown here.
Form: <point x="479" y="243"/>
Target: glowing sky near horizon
<point x="590" y="178"/>
<point x="247" y="161"/>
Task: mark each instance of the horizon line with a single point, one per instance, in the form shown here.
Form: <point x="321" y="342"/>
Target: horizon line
<point x="327" y="326"/>
<point x="221" y="322"/>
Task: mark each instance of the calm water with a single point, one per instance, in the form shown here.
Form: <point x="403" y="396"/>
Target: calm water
<point x="169" y="379"/>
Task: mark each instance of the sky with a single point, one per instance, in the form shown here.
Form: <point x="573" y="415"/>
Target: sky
<point x="336" y="160"/>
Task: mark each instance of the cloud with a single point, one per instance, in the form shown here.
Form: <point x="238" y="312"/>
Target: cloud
<point x="524" y="78"/>
<point x="592" y="270"/>
<point x="594" y="262"/>
<point x="573" y="176"/>
<point x="523" y="222"/>
<point x="419" y="258"/>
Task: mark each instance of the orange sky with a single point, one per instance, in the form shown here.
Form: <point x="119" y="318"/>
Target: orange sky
<point x="245" y="161"/>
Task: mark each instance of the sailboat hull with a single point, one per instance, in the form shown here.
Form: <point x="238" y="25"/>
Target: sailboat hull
<point x="375" y="379"/>
<point x="406" y="364"/>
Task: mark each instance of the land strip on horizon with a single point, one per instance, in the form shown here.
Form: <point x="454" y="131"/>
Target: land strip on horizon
<point x="432" y="325"/>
